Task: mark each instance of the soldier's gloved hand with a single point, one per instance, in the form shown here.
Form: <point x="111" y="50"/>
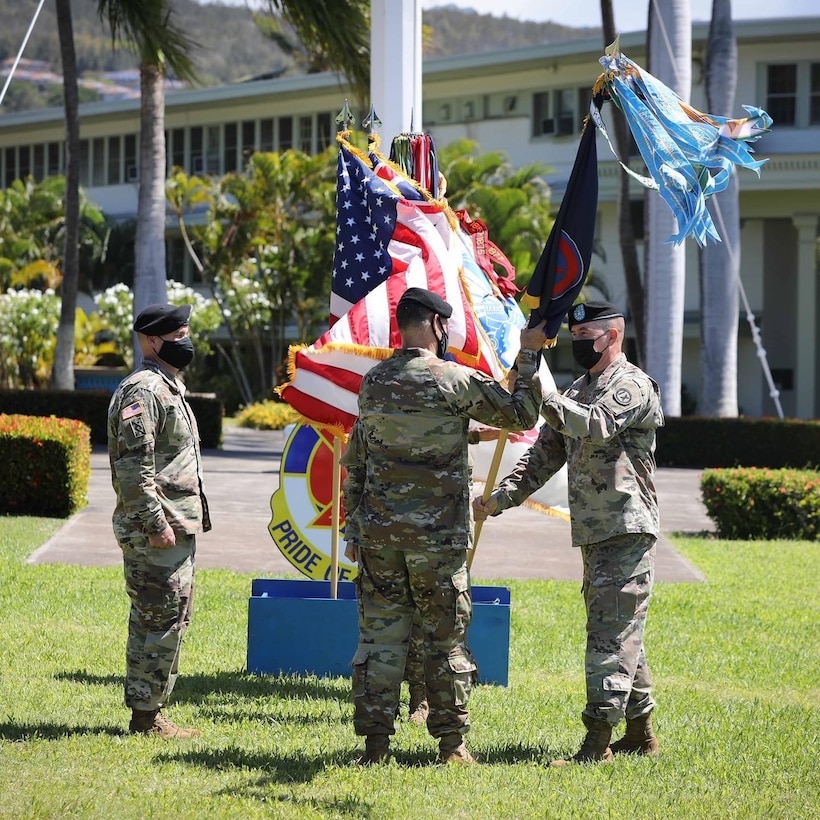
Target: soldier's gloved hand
<point x="163" y="540"/>
<point x="352" y="552"/>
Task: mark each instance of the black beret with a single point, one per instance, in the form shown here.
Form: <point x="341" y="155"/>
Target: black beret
<point x="592" y="312"/>
<point x="429" y="299"/>
<point x="157" y="320"/>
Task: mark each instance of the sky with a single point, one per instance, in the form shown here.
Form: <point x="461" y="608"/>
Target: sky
<point x="630" y="15"/>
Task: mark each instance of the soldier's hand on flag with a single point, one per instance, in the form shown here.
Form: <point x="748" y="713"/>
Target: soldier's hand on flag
<point x="533" y="338"/>
<point x="483" y="509"/>
<point x="352" y="552"/>
<point x="163" y="540"/>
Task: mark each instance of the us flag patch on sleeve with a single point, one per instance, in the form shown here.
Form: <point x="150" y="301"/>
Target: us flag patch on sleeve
<point x="132" y="410"/>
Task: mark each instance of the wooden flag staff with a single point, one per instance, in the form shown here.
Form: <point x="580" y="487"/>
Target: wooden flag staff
<point x="334" y="536"/>
<point x="488" y="491"/>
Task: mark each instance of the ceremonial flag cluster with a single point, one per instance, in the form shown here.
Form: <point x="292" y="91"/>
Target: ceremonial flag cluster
<point x="688" y="154"/>
<point x="391" y="235"/>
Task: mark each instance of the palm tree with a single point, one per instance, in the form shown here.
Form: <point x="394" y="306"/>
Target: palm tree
<point x="670" y="60"/>
<point x="62" y="375"/>
<point x="626" y="230"/>
<point x="149" y="27"/>
<point x="720" y="263"/>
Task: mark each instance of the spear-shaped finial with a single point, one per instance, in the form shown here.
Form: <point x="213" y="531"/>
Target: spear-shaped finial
<point x="371" y="121"/>
<point x="345" y="118"/>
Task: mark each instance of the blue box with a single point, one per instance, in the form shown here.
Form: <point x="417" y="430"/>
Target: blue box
<point x="295" y="627"/>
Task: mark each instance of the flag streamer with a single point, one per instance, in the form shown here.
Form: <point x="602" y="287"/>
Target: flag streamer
<point x="689" y="155"/>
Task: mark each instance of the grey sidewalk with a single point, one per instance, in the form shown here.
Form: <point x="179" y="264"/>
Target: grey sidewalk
<point x="241" y="478"/>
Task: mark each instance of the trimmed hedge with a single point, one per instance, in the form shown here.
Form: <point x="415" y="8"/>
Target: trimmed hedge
<point x="752" y="503"/>
<point x="691" y="441"/>
<point x="91" y="407"/>
<point x="46" y="465"/>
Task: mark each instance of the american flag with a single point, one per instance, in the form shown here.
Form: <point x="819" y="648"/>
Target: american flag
<point x="391" y="235"/>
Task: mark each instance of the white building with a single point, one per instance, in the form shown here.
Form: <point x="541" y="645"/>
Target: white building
<point x="528" y="102"/>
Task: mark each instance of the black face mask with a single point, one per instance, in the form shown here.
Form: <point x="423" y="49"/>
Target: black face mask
<point x="443" y="342"/>
<point x="178" y="354"/>
<point x="584" y="352"/>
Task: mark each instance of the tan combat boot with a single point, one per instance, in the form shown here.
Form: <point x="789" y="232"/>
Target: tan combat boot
<point x="595" y="747"/>
<point x="153" y="722"/>
<point x="453" y="750"/>
<point x="639" y="739"/>
<point x="376" y="750"/>
<point x="418" y="708"/>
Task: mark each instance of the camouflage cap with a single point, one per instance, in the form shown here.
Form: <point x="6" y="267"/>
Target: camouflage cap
<point x="592" y="312"/>
<point x="157" y="320"/>
<point x="429" y="299"/>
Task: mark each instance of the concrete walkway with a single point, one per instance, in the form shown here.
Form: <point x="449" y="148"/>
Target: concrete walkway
<point x="241" y="477"/>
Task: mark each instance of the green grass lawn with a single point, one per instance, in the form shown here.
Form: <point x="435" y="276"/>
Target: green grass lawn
<point x="736" y="662"/>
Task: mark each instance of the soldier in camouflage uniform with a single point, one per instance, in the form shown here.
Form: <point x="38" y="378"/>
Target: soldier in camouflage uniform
<point x="603" y="428"/>
<point x="156" y="470"/>
<point x="408" y="522"/>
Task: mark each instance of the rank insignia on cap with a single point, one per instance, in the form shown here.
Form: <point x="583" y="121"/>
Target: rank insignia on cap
<point x="578" y="313"/>
<point x="132" y="410"/>
<point x="622" y="396"/>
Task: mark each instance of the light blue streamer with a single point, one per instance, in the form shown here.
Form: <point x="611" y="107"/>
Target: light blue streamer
<point x="688" y="157"/>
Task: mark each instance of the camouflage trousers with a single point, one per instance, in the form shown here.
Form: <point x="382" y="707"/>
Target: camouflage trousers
<point x="618" y="578"/>
<point x="414" y="665"/>
<point x="160" y="584"/>
<point x="391" y="586"/>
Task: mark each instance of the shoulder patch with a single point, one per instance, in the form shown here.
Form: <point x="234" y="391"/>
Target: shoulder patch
<point x="622" y="396"/>
<point x="132" y="410"/>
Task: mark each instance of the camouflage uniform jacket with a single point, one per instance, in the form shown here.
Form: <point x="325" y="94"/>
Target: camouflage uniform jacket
<point x="408" y="472"/>
<point x="604" y="430"/>
<point x="153" y="448"/>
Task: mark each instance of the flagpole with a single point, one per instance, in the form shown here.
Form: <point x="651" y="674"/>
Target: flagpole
<point x="488" y="491"/>
<point x="334" y="537"/>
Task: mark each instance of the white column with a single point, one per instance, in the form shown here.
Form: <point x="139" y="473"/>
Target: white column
<point x="806" y="315"/>
<point x="395" y="66"/>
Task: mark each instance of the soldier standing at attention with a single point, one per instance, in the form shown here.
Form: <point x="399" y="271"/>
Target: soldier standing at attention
<point x="408" y="522"/>
<point x="156" y="470"/>
<point x="603" y="428"/>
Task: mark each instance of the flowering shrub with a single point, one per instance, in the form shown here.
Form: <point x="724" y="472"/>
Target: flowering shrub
<point x="753" y="503"/>
<point x="48" y="464"/>
<point x="267" y="415"/>
<point x="28" y="336"/>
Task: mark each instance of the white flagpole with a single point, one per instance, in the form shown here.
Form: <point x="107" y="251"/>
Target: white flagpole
<point x="20" y="53"/>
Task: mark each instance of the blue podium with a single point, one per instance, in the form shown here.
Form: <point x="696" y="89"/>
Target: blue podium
<point x="295" y="627"/>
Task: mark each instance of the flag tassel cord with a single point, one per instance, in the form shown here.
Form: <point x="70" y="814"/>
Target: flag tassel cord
<point x="20" y="52"/>
<point x="488" y="490"/>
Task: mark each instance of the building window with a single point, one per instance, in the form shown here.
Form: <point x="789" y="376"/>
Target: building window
<point x="114" y="172"/>
<point x="324" y="130"/>
<point x="98" y="168"/>
<point x="55" y="166"/>
<point x="781" y="93"/>
<point x="10" y="163"/>
<point x="248" y="139"/>
<point x="541" y="119"/>
<point x="285" y="133"/>
<point x="212" y="162"/>
<point x="39" y="164"/>
<point x="231" y="147"/>
<point x="814" y="98"/>
<point x="177" y="147"/>
<point x="85" y="161"/>
<point x="266" y="134"/>
<point x="197" y="159"/>
<point x="132" y="170"/>
<point x="306" y="134"/>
